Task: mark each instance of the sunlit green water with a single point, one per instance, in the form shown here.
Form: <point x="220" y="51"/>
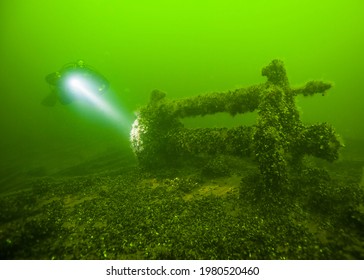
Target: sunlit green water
<point x="181" y="47"/>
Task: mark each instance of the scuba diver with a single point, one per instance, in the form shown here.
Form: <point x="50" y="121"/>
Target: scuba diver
<point x="62" y="89"/>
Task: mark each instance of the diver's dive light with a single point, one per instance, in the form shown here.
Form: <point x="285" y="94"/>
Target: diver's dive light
<point x="80" y="82"/>
<point x="80" y="87"/>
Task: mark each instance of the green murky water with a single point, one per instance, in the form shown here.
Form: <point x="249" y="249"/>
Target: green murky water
<point x="59" y="164"/>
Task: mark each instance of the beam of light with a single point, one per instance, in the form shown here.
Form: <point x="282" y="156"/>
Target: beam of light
<point x="83" y="88"/>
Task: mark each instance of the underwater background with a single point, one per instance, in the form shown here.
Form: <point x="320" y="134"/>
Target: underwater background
<point x="183" y="48"/>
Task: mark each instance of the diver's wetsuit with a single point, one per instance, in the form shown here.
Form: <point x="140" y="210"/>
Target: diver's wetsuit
<point x="59" y="91"/>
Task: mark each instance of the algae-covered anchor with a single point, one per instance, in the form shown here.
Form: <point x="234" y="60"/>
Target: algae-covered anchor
<point x="278" y="140"/>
